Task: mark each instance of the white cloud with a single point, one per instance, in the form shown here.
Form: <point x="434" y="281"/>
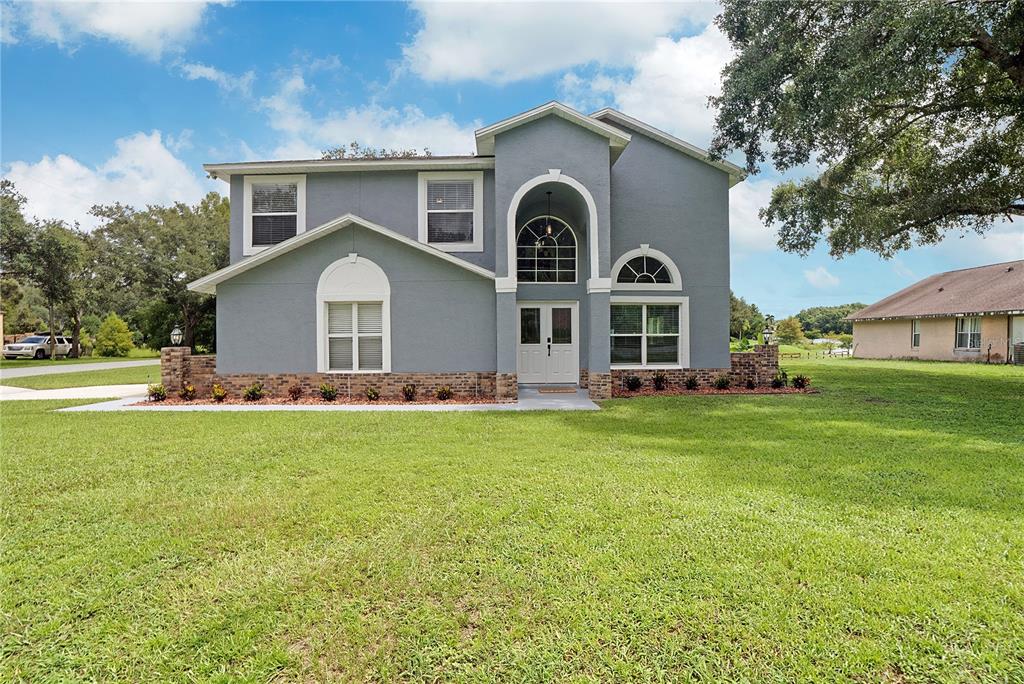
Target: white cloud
<point x="305" y="134"/>
<point x="821" y="278"/>
<point x="510" y="41"/>
<point x="149" y="28"/>
<point x="747" y="233"/>
<point x="667" y="85"/>
<point x="142" y="171"/>
<point x="228" y="83"/>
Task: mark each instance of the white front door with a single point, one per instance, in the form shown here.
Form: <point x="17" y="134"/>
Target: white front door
<point x="548" y="342"/>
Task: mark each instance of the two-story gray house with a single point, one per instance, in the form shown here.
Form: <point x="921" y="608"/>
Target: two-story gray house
<point x="569" y="249"/>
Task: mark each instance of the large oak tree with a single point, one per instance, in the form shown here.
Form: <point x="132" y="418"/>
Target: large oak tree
<point x="908" y="114"/>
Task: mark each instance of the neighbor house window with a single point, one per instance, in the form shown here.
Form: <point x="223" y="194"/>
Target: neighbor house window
<point x="275" y="210"/>
<point x="645" y="334"/>
<point x="915" y="333"/>
<point x="968" y="333"/>
<point x="451" y="210"/>
<point x="355" y="336"/>
<point x="546" y="251"/>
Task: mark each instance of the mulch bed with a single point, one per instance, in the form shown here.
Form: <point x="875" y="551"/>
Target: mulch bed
<point x="314" y="401"/>
<point x="648" y="391"/>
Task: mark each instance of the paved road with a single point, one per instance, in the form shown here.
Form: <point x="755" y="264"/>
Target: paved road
<point x="95" y="392"/>
<point x="24" y="371"/>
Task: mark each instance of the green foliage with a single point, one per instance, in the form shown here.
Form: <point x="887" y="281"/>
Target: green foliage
<point x="444" y="393"/>
<point x="354" y="150"/>
<point x="218" y="393"/>
<point x="788" y="331"/>
<point x="913" y="110"/>
<point x="745" y="320"/>
<point x="328" y="392"/>
<point x="692" y="382"/>
<point x="750" y="384"/>
<point x="156" y="392"/>
<point x="187" y="392"/>
<point x="845" y="341"/>
<point x="253" y="392"/>
<point x="828" y="320"/>
<point x="113" y="338"/>
<point x="781" y="379"/>
<point x="660" y="380"/>
<point x="409" y="392"/>
<point x="721" y="382"/>
<point x="633" y="383"/>
<point x="801" y="381"/>
<point x="372" y="394"/>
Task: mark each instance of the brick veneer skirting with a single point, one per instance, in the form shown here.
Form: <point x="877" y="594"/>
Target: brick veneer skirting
<point x="179" y="367"/>
<point x="760" y="365"/>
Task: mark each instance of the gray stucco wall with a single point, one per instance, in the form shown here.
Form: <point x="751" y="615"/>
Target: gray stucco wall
<point x="388" y="198"/>
<point x="442" y="316"/>
<point x="678" y="205"/>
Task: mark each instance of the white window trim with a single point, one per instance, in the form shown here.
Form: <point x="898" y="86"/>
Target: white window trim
<point x="915" y="332"/>
<point x="957" y="333"/>
<point x="646" y="250"/>
<point x="248" y="249"/>
<point x="576" y="250"/>
<point x="378" y="295"/>
<point x="477" y="244"/>
<point x="684" y="332"/>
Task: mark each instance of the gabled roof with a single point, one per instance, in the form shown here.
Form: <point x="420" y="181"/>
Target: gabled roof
<point x="208" y="284"/>
<point x="995" y="289"/>
<point x="736" y="173"/>
<point x="617" y="139"/>
<point x="446" y="163"/>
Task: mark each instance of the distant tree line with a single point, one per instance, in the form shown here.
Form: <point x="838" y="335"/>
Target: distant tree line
<point x="136" y="264"/>
<point x="746" y="322"/>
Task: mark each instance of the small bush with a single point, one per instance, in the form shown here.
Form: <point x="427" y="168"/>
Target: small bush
<point x="409" y="392"/>
<point x="113" y="338"/>
<point x="633" y="383"/>
<point x="691" y="382"/>
<point x="295" y="392"/>
<point x="801" y="381"/>
<point x="218" y="393"/>
<point x="444" y="393"/>
<point x="660" y="381"/>
<point x="156" y="392"/>
<point x="751" y="384"/>
<point x="722" y="382"/>
<point x="253" y="392"/>
<point x="372" y="393"/>
<point x="780" y="380"/>
<point x="188" y="392"/>
<point x="328" y="392"/>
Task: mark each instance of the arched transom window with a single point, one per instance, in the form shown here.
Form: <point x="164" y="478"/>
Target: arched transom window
<point x="546" y="251"/>
<point x="644" y="269"/>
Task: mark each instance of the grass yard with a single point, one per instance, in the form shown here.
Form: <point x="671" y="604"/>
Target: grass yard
<point x="134" y="355"/>
<point x="113" y="376"/>
<point x="873" y="532"/>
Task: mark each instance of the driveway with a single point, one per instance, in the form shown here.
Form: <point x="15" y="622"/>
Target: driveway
<point x="28" y="369"/>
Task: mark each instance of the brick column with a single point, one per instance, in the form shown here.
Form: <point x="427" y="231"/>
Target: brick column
<point x="599" y="385"/>
<point x="174" y="363"/>
<point x="506" y="387"/>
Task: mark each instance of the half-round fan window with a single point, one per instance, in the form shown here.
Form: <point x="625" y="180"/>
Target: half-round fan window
<point x="644" y="269"/>
<point x="546" y="251"/>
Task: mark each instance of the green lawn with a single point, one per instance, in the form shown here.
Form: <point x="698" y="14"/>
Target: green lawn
<point x="113" y="376"/>
<point x="133" y="355"/>
<point x="870" y="533"/>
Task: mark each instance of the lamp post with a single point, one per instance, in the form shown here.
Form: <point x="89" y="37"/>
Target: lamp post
<point x="769" y="330"/>
<point x="176" y="336"/>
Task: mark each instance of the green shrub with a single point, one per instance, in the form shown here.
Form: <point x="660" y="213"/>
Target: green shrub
<point x="692" y="383"/>
<point x="780" y="380"/>
<point x="751" y="384"/>
<point x="372" y="394"/>
<point x="801" y="381"/>
<point x="660" y="380"/>
<point x="444" y="393"/>
<point x="113" y="338"/>
<point x="156" y="392"/>
<point x="722" y="382"/>
<point x="409" y="392"/>
<point x="188" y="392"/>
<point x="633" y="383"/>
<point x="218" y="393"/>
<point x="253" y="392"/>
<point x="295" y="392"/>
<point x="328" y="392"/>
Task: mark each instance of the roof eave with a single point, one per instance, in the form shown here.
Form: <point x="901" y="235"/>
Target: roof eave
<point x="617" y="139"/>
<point x="224" y="171"/>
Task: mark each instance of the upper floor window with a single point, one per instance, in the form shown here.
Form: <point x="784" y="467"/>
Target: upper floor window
<point x="968" y="333"/>
<point x="451" y="210"/>
<point x="645" y="269"/>
<point x="275" y="210"/>
<point x="915" y="333"/>
<point x="546" y="251"/>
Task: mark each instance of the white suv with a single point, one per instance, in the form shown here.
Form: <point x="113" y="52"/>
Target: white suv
<point x="36" y="347"/>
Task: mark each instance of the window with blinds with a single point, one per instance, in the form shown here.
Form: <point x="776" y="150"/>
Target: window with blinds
<point x="355" y="336"/>
<point x="275" y="212"/>
<point x="644" y="334"/>
<point x="450" y="211"/>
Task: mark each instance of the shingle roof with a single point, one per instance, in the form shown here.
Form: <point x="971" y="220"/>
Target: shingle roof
<point x="997" y="288"/>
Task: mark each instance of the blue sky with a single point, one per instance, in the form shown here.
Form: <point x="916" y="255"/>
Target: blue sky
<point x="105" y="103"/>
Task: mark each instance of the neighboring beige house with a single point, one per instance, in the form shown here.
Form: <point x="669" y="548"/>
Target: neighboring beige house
<point x="974" y="314"/>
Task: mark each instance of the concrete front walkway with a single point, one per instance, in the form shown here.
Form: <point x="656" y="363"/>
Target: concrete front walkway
<point x="529" y="400"/>
<point x="133" y="392"/>
<point x="28" y="370"/>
